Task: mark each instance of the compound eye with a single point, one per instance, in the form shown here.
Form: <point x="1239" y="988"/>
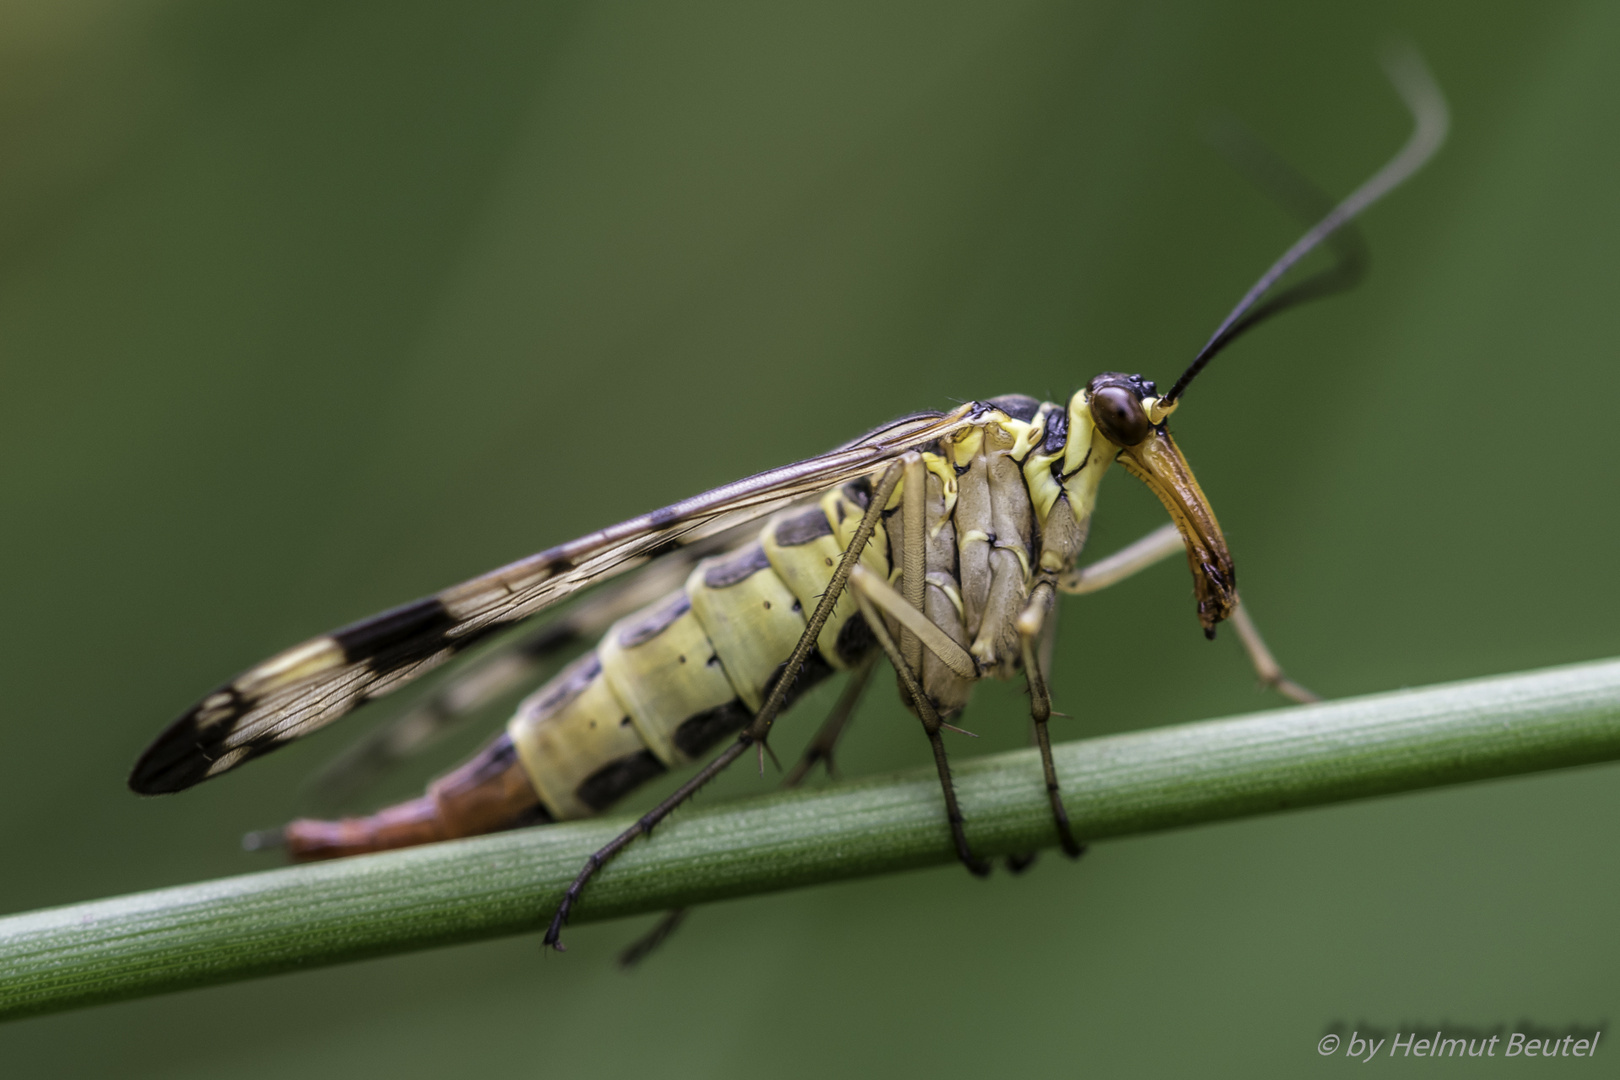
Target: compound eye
<point x="1118" y="412"/>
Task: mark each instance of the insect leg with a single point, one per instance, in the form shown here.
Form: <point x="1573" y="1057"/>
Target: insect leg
<point x="759" y="729"/>
<point x="913" y="622"/>
<point x="1061" y="542"/>
<point x="913" y="556"/>
<point x="819" y="750"/>
<point x="1156" y="546"/>
<point x="1031" y="624"/>
<point x="1265" y="665"/>
<point x="931" y="725"/>
<point x="643" y="826"/>
<point x="1153" y="548"/>
<point x="826" y="738"/>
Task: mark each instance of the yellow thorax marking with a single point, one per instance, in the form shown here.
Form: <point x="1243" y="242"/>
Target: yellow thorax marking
<point x="1157" y="410"/>
<point x="1043" y="486"/>
<point x="1086" y="456"/>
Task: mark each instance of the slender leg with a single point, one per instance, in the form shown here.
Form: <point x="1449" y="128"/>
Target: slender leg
<point x="1128" y="561"/>
<point x="931" y="725"/>
<point x="819" y="750"/>
<point x="757" y="731"/>
<point x="914" y="557"/>
<point x="1030" y="624"/>
<point x="1023" y="860"/>
<point x="1131" y="559"/>
<point x="1265" y="665"/>
<point x="643" y="826"/>
<point x="1156" y="546"/>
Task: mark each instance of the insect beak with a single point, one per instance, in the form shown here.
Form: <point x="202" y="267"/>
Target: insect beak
<point x="1158" y="463"/>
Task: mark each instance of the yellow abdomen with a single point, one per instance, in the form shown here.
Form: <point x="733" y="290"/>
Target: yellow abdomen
<point x="667" y="682"/>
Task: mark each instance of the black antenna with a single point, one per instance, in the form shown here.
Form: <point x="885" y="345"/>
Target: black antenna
<point x="1430" y="118"/>
<point x="1296" y="194"/>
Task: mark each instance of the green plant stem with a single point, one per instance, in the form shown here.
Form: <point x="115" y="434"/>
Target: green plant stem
<point x="327" y="913"/>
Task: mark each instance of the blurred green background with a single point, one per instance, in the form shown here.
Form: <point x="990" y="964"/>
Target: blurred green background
<point x="308" y="309"/>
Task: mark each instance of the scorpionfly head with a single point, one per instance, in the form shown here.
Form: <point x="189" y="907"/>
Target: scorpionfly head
<point x="1124" y="420"/>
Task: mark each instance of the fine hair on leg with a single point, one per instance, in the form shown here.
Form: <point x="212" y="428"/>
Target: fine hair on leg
<point x="819" y="751"/>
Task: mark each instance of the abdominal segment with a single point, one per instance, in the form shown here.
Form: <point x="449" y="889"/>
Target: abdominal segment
<point x="664" y="685"/>
<point x="490" y="793"/>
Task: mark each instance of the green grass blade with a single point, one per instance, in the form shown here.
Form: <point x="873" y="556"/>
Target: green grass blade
<point x="308" y="916"/>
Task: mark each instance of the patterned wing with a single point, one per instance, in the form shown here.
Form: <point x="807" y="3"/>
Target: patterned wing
<point x="521" y="661"/>
<point x="310" y="685"/>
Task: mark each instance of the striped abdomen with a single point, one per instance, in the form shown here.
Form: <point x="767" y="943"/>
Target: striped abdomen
<point x="661" y="687"/>
<point x="668" y="682"/>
